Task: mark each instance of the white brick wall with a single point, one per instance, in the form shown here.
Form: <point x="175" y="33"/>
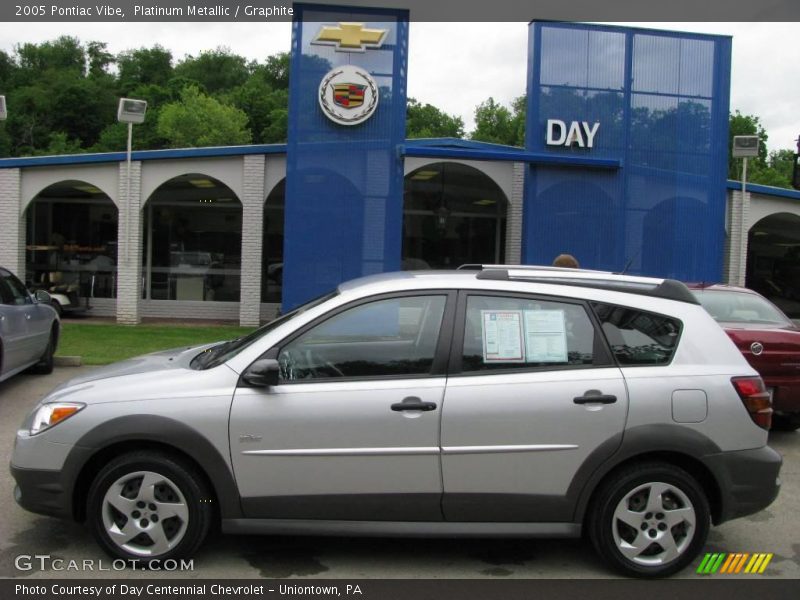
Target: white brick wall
<point x="738" y="227"/>
<point x="12" y="225"/>
<point x="253" y="198"/>
<point x="514" y="216"/>
<point x="129" y="260"/>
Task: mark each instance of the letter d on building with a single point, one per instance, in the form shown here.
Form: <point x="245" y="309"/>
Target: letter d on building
<point x="552" y="125"/>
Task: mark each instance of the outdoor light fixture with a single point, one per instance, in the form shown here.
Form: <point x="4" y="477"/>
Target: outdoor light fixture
<point x="3" y="113"/>
<point x="131" y="111"/>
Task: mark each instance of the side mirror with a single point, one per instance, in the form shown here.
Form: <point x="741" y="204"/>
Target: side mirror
<point x="43" y="297"/>
<point x="264" y="372"/>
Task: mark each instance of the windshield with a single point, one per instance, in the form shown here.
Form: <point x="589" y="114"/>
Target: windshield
<point x="740" y="307"/>
<point x="216" y="355"/>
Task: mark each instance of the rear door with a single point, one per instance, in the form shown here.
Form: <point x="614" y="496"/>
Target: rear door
<point x="533" y="404"/>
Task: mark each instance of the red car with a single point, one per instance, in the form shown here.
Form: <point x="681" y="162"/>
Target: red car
<point x="769" y="340"/>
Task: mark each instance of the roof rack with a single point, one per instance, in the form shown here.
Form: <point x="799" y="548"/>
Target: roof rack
<point x="670" y="289"/>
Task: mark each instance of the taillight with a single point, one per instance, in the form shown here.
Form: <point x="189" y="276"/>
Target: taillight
<point x="755" y="398"/>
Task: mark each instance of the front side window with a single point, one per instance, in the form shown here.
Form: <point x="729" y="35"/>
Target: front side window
<point x="638" y="337"/>
<point x="392" y="337"/>
<point x="14" y="292"/>
<point x="520" y="333"/>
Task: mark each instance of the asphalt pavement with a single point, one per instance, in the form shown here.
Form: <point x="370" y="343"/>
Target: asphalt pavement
<point x="23" y="534"/>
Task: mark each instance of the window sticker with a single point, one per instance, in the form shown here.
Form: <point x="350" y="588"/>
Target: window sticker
<point x="502" y="336"/>
<point x="545" y="336"/>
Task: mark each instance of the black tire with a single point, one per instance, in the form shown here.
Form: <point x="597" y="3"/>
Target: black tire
<point x="790" y="422"/>
<point x="57" y="306"/>
<point x="46" y="362"/>
<point x="181" y="482"/>
<point x="609" y="534"/>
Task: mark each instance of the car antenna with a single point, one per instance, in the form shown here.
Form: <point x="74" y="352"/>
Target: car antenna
<point x="629" y="263"/>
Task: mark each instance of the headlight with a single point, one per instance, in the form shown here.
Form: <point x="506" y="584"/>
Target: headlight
<point x="48" y="415"/>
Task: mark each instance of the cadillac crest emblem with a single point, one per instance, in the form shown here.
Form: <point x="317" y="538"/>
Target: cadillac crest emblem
<point x="348" y="95"/>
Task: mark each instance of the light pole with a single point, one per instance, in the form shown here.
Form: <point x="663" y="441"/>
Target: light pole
<point x="130" y="111"/>
<point x="744" y="147"/>
<point x="3" y="113"/>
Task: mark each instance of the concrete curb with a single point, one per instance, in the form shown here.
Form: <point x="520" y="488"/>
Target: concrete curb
<point x="67" y="361"/>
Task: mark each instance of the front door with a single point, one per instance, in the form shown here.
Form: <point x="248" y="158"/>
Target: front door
<point x="532" y="403"/>
<point x="352" y="430"/>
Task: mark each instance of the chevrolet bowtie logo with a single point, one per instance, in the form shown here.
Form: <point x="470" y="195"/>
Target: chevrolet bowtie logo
<point x="350" y="37"/>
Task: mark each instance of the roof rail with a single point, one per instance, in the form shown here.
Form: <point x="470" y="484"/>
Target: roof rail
<point x="646" y="286"/>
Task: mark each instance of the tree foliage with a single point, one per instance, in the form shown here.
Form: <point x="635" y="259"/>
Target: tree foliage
<point x="200" y="120"/>
<point x="500" y="125"/>
<point x="427" y="121"/>
<point x="768" y="168"/>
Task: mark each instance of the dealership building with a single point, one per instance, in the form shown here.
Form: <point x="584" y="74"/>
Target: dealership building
<point x="624" y="166"/>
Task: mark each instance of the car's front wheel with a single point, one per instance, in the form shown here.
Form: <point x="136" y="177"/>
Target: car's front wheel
<point x="148" y="505"/>
<point x="649" y="520"/>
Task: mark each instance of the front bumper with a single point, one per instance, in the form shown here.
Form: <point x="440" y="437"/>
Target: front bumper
<point x="749" y="480"/>
<point x="42" y="491"/>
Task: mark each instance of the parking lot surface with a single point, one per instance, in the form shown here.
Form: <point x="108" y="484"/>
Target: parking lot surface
<point x="775" y="530"/>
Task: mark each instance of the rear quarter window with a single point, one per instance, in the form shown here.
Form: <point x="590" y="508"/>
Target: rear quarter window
<point x="638" y="337"/>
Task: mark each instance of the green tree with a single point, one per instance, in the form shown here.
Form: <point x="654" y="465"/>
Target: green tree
<point x="99" y="59"/>
<point x="215" y="70"/>
<point x="427" y="121"/>
<point x="768" y="168"/>
<point x="200" y="120"/>
<point x="143" y="67"/>
<point x="500" y="125"/>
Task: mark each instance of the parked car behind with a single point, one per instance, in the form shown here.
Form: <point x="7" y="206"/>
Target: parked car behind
<point x="509" y="401"/>
<point x="29" y="328"/>
<point x="768" y="339"/>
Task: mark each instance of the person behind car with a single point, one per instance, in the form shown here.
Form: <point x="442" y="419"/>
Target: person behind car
<point x="566" y="261"/>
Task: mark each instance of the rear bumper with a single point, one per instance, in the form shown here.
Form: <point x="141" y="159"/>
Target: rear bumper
<point x="749" y="480"/>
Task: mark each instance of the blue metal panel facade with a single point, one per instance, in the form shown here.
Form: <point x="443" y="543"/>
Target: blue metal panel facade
<point x="344" y="184"/>
<point x="662" y="102"/>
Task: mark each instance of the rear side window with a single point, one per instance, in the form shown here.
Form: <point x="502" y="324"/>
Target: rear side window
<point x="638" y="337"/>
<point x="520" y="333"/>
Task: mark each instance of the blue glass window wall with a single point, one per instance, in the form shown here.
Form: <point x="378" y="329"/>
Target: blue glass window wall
<point x="662" y="101"/>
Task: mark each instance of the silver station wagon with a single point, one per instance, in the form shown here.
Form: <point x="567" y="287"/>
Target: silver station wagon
<point x="497" y="401"/>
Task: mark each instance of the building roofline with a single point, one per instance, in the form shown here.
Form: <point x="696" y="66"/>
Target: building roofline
<point x="443" y="148"/>
<point x="766" y="190"/>
<point x="141" y="155"/>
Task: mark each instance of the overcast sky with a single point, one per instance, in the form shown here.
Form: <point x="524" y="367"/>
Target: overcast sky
<point x="455" y="66"/>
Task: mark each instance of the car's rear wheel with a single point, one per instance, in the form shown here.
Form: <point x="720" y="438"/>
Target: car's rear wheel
<point x="649" y="520"/>
<point x="148" y="505"/>
<point x="57" y="306"/>
<point x="786" y="422"/>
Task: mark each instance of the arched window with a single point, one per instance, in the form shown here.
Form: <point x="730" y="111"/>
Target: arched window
<point x="452" y="214"/>
<point x="192" y="247"/>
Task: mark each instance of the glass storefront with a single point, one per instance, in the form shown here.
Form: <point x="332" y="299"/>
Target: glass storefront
<point x="192" y="241"/>
<point x="71" y="241"/>
<point x="453" y="215"/>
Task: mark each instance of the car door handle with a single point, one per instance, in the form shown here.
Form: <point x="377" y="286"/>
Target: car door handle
<point x="595" y="398"/>
<point x="413" y="403"/>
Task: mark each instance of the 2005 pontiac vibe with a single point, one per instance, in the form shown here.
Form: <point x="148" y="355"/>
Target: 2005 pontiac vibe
<point x="497" y="401"/>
